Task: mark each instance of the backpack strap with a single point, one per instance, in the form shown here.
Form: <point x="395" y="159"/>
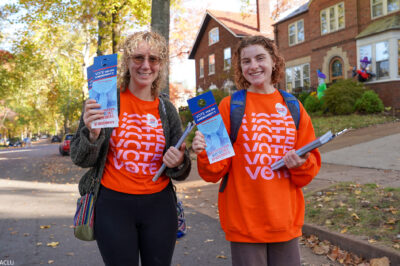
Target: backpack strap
<point x="237" y="106"/>
<point x="293" y="104"/>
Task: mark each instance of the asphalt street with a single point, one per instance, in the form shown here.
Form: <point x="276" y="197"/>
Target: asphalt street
<point x="38" y="194"/>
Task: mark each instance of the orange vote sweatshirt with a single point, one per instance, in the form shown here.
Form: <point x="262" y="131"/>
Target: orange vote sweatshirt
<point x="259" y="205"/>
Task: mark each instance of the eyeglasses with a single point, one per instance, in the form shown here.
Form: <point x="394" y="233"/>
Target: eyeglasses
<point x="139" y="59"/>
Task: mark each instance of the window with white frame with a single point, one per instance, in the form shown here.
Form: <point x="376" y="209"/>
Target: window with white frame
<point x="296" y="32"/>
<point x="201" y="67"/>
<point x="382" y="59"/>
<point x="213" y="36"/>
<point x="332" y="18"/>
<point x="398" y="57"/>
<point x="227" y="58"/>
<point x="378" y="54"/>
<point x="297" y="77"/>
<point x="383" y="7"/>
<point x="211" y="64"/>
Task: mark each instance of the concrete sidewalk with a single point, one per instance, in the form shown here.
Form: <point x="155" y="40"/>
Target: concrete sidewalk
<point x="381" y="153"/>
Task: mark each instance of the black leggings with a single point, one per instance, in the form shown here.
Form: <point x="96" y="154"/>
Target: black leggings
<point x="126" y="225"/>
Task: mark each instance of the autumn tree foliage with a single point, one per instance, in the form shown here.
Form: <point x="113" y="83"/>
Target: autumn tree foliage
<point x="278" y="7"/>
<point x="281" y="6"/>
<point x="179" y="93"/>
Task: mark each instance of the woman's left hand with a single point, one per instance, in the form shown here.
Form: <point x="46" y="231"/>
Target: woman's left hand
<point x="292" y="160"/>
<point x="174" y="157"/>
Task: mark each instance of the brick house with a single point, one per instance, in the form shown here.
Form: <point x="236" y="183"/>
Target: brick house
<point x="216" y="41"/>
<point x="333" y="35"/>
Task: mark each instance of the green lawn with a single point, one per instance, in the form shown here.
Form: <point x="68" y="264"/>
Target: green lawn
<point x="339" y="122"/>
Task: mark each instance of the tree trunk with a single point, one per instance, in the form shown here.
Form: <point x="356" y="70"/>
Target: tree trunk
<point x="116" y="33"/>
<point x="101" y="33"/>
<point x="160" y="24"/>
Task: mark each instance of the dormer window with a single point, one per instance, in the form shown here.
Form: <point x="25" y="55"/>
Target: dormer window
<point x="213" y="36"/>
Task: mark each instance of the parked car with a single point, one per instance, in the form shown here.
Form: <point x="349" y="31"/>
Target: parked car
<point x="55" y="138"/>
<point x="16" y="142"/>
<point x="64" y="145"/>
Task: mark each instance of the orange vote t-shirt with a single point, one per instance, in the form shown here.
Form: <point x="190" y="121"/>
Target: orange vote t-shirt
<point x="136" y="148"/>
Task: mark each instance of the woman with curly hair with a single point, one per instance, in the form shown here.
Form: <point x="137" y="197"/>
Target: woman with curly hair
<point x="133" y="214"/>
<point x="261" y="210"/>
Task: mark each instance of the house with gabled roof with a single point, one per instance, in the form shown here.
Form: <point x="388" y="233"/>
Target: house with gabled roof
<point x="216" y="41"/>
<point x="334" y="35"/>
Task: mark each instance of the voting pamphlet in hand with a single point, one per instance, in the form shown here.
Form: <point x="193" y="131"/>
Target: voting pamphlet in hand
<point x="102" y="85"/>
<point x="209" y="121"/>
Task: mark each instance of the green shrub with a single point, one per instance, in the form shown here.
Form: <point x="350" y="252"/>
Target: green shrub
<point x="303" y="96"/>
<point x="312" y="104"/>
<point x="369" y="103"/>
<point x="340" y="97"/>
<point x="186" y="116"/>
<point x="219" y="94"/>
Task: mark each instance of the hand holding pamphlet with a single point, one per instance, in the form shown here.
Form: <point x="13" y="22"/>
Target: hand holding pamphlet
<point x="328" y="136"/>
<point x="102" y="85"/>
<point x="206" y="115"/>
<point x="189" y="128"/>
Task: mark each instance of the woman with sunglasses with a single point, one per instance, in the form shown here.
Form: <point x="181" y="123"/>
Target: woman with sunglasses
<point x="133" y="214"/>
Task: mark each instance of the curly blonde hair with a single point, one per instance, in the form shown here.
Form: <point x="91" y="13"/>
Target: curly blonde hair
<point x="267" y="44"/>
<point x="131" y="43"/>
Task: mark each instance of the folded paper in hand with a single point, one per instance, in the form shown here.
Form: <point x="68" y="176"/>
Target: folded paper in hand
<point x="328" y="136"/>
<point x="189" y="128"/>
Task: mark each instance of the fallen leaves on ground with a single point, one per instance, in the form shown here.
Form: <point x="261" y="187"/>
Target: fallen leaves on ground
<point x="53" y="244"/>
<point x="334" y="253"/>
<point x="45" y="226"/>
<point x="380" y="262"/>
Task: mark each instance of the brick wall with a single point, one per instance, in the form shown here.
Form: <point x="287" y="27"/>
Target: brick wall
<point x="389" y="92"/>
<point x="226" y="39"/>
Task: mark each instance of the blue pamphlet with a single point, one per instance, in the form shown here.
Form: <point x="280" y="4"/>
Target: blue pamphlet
<point x="102" y="85"/>
<point x="209" y="121"/>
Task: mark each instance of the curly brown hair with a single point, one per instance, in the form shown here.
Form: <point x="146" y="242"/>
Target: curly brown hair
<point x="156" y="42"/>
<point x="268" y="45"/>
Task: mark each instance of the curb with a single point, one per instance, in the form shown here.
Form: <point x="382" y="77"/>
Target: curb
<point x="357" y="247"/>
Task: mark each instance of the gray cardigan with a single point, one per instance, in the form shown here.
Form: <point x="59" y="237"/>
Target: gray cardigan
<point x="93" y="155"/>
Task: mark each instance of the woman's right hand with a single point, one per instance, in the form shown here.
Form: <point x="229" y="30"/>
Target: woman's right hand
<point x="92" y="113"/>
<point x="199" y="142"/>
